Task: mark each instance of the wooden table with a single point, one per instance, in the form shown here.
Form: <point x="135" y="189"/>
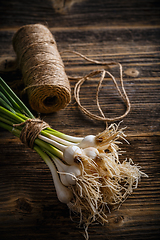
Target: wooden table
<point x="124" y="31"/>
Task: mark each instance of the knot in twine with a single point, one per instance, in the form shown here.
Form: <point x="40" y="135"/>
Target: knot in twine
<point x="31" y="129"/>
<point x="44" y="77"/>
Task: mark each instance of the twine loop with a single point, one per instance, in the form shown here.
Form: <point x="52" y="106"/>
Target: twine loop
<point x="31" y="129"/>
<point x="122" y="93"/>
<point x="102" y="72"/>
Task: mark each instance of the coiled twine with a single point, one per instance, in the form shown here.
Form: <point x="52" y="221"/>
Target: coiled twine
<point x="44" y="77"/>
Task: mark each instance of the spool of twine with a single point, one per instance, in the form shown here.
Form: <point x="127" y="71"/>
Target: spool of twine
<point x="44" y="77"/>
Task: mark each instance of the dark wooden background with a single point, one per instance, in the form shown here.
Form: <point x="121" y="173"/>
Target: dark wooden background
<point x="124" y="31"/>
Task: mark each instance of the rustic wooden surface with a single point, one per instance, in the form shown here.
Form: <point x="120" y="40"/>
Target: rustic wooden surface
<point x="124" y="31"/>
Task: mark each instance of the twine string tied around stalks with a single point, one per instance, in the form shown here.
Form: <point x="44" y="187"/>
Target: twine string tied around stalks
<point x="31" y="129"/>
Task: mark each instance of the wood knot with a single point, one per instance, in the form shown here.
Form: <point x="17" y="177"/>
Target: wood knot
<point x="119" y="220"/>
<point x="132" y="72"/>
<point x="23" y="205"/>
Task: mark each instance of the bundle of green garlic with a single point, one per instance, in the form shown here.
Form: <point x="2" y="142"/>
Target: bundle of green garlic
<point x="87" y="173"/>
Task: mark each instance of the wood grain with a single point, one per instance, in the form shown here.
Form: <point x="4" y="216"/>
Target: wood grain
<point x="123" y="31"/>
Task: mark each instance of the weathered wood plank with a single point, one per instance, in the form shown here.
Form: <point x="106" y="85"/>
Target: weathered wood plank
<point x="123" y="31"/>
<point x="94" y="13"/>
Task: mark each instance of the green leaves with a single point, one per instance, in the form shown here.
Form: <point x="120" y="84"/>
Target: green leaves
<point x="13" y="99"/>
<point x="6" y="105"/>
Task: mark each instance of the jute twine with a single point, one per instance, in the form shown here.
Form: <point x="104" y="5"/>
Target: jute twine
<point x="121" y="90"/>
<point x="31" y="129"/>
<point x="42" y="69"/>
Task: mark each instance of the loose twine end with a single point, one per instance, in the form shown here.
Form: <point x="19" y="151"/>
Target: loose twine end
<point x="102" y="72"/>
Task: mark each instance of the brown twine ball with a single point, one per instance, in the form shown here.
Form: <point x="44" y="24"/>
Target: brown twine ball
<point x="44" y="77"/>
